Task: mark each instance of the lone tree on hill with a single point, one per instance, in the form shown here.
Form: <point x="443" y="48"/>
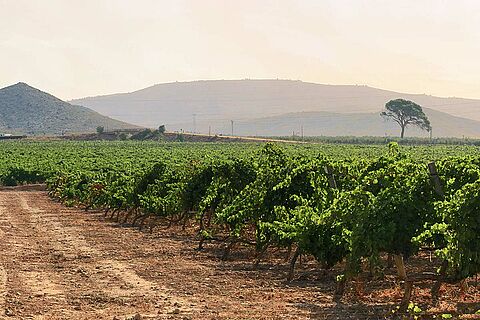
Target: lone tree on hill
<point x="405" y="113"/>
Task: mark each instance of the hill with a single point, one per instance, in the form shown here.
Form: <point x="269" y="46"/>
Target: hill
<point x="188" y="104"/>
<point x="337" y="124"/>
<point x="24" y="109"/>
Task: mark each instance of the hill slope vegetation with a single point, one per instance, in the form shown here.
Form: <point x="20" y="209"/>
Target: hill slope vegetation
<point x="26" y="110"/>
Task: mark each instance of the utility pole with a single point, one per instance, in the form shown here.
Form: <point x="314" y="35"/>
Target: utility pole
<point x="209" y="131"/>
<point x="231" y="121"/>
<point x="302" y="131"/>
<point x="194" y="123"/>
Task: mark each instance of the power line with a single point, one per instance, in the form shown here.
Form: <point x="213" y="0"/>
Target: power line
<point x="194" y="122"/>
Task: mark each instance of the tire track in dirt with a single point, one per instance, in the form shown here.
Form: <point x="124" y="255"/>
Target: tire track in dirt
<point x="3" y="273"/>
<point x="70" y="244"/>
<point x="61" y="263"/>
<point x="30" y="278"/>
<point x="64" y="263"/>
<point x="76" y="273"/>
<point x="53" y="270"/>
<point x="3" y="288"/>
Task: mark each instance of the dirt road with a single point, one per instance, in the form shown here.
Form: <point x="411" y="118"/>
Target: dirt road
<point x="63" y="263"/>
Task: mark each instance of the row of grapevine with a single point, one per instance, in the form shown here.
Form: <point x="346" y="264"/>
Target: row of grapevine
<point x="351" y="212"/>
<point x="348" y="212"/>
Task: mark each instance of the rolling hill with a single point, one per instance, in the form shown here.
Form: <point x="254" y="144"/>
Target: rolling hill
<point x="276" y="104"/>
<point x="26" y="110"/>
<point x="336" y="124"/>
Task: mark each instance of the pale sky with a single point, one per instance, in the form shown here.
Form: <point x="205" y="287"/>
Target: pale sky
<point x="74" y="48"/>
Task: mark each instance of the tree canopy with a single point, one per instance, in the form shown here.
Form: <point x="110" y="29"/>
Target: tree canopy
<point x="405" y="113"/>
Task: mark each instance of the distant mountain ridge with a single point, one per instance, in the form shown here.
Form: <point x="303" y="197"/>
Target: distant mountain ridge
<point x="27" y="110"/>
<point x="198" y="105"/>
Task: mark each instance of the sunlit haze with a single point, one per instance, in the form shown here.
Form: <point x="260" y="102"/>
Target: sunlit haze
<point x="83" y="48"/>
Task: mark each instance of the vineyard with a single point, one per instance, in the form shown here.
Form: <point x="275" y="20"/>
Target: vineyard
<point x="356" y="211"/>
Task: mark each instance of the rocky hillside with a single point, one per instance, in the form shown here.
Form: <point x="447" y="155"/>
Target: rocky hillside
<point x="26" y="110"/>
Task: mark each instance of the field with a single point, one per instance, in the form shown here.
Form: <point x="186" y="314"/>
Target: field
<point x="239" y="231"/>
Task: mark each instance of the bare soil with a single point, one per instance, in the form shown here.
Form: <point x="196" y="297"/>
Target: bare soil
<point x="168" y="137"/>
<point x="65" y="263"/>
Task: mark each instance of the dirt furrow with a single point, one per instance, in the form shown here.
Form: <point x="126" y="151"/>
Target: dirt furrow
<point x="65" y="263"/>
<point x="50" y="263"/>
<point x="4" y="224"/>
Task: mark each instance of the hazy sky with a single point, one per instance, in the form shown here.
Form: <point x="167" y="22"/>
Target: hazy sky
<point x="75" y="48"/>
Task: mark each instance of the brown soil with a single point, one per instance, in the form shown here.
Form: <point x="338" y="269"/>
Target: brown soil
<point x="167" y="137"/>
<point x="64" y="263"/>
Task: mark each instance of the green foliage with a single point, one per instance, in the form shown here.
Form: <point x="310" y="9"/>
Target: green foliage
<point x="382" y="201"/>
<point x="143" y="135"/>
<point x="149" y="134"/>
<point x="406" y="113"/>
<point x="18" y="176"/>
<point x="461" y="229"/>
